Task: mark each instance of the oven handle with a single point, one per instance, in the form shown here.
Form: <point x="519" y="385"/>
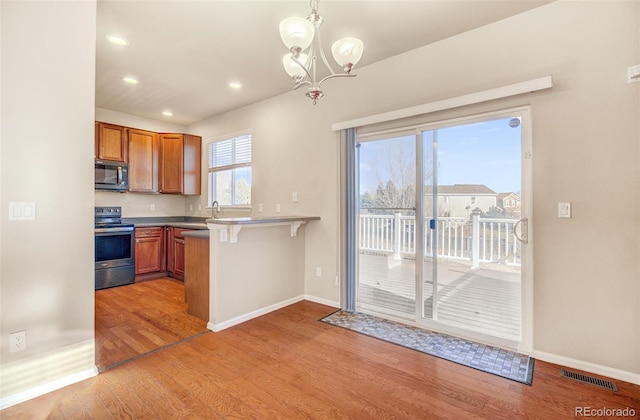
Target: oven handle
<point x="114" y="230"/>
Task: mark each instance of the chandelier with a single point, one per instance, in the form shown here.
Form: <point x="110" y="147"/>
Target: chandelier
<point x="298" y="34"/>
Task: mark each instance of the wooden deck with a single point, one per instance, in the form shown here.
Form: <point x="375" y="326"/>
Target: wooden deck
<point x="484" y="300"/>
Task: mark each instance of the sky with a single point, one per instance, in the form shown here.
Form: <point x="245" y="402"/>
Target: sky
<point x="487" y="152"/>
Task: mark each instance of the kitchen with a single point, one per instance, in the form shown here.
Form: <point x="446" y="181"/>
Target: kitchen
<point x="134" y="164"/>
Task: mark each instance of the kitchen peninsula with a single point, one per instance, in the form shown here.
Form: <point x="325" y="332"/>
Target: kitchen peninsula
<point x="256" y="265"/>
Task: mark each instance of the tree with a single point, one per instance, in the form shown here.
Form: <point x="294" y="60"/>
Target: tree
<point x="243" y="191"/>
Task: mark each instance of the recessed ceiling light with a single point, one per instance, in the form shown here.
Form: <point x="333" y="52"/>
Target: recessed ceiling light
<point x="235" y="85"/>
<point x="117" y="39"/>
<point x="131" y="80"/>
<point x="167" y="113"/>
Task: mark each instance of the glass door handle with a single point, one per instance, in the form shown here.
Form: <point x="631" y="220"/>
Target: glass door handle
<point x="524" y="230"/>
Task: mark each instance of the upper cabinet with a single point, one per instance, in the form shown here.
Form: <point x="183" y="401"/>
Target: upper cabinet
<point x="111" y="142"/>
<point x="180" y="156"/>
<point x="158" y="163"/>
<point x="143" y="161"/>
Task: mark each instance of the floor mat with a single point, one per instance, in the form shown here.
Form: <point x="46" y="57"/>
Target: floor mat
<point x="507" y="364"/>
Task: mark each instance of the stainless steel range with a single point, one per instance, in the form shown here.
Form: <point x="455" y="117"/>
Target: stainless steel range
<point x="114" y="252"/>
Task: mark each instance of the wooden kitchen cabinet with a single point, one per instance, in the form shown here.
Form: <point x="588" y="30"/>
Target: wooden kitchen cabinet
<point x="176" y="253"/>
<point x="143" y="161"/>
<point x="192" y="164"/>
<point x="111" y="142"/>
<point x="180" y="156"/>
<point x="149" y="250"/>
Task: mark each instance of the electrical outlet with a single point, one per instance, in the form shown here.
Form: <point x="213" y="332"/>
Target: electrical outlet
<point x="318" y="271"/>
<point x="199" y="206"/>
<point x="190" y="207"/>
<point x="277" y="208"/>
<point x="337" y="280"/>
<point x="260" y="208"/>
<point x="152" y="207"/>
<point x="18" y="341"/>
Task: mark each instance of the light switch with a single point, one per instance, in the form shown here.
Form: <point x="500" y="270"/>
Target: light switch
<point x="223" y="235"/>
<point x="564" y="210"/>
<point x="22" y="211"/>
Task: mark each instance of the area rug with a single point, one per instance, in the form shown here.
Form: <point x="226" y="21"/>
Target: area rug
<point x="497" y="361"/>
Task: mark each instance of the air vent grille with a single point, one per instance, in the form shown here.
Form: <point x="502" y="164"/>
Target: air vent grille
<point x="589" y="380"/>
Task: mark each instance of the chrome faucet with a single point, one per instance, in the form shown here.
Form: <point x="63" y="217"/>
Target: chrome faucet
<point x="215" y="208"/>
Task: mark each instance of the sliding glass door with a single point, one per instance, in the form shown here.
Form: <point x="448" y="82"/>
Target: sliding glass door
<point x="386" y="220"/>
<point x="441" y="218"/>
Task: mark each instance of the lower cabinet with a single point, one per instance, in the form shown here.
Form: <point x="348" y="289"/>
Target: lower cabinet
<point x="149" y="250"/>
<point x="175" y="256"/>
<point x="159" y="251"/>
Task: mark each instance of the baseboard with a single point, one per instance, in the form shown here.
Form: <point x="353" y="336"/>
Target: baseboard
<point x="322" y="301"/>
<point x="609" y="372"/>
<point x="32" y="377"/>
<point x="254" y="314"/>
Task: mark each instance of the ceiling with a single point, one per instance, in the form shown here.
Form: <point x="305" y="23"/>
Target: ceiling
<point x="185" y="53"/>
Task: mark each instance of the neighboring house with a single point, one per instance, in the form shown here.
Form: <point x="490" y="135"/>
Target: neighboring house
<point x="510" y="203"/>
<point x="459" y="200"/>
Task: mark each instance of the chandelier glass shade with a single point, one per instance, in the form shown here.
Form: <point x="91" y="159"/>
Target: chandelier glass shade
<point x="302" y="39"/>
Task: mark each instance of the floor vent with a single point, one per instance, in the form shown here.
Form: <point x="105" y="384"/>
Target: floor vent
<point x="589" y="380"/>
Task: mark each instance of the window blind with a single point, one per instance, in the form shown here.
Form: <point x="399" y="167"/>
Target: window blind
<point x="229" y="154"/>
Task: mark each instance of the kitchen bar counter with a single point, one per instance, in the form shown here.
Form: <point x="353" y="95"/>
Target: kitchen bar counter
<point x="235" y="224"/>
<point x="260" y="220"/>
<point x="256" y="265"/>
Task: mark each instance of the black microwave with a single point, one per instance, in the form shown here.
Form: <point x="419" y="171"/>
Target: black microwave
<point x="112" y="176"/>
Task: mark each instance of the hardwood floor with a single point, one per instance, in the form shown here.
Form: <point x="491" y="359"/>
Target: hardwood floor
<point x="138" y="318"/>
<point x="286" y="364"/>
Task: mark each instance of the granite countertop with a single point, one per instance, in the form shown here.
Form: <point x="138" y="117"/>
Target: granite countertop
<point x="261" y="220"/>
<point x="201" y="233"/>
<point x="184" y="222"/>
<point x="184" y="225"/>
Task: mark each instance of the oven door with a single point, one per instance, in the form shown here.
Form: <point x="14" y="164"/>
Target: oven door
<point x="114" y="255"/>
<point x="113" y="247"/>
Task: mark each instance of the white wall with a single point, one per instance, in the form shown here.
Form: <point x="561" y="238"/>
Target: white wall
<point x="47" y="269"/>
<point x="138" y="204"/>
<point x="586" y="131"/>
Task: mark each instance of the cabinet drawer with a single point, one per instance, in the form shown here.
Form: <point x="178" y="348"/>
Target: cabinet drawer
<point x="146" y="232"/>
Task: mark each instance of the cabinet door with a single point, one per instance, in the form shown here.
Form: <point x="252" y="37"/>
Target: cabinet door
<point x="111" y="142"/>
<point x="170" y="248"/>
<point x="179" y="251"/>
<point x="192" y="163"/>
<point x="143" y="161"/>
<point x="149" y="250"/>
<point x="171" y="163"/>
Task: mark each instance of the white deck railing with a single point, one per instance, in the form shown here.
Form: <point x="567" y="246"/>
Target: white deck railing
<point x="477" y="239"/>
